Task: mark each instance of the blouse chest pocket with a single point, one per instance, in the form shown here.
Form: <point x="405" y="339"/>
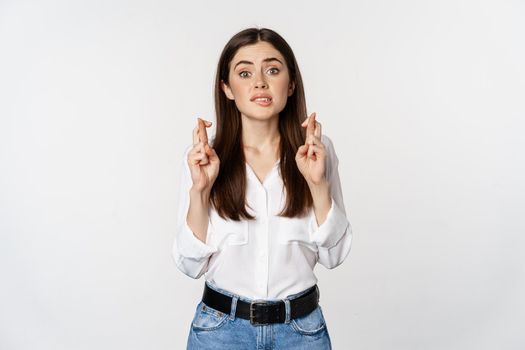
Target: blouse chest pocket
<point x="295" y="231"/>
<point x="228" y="232"/>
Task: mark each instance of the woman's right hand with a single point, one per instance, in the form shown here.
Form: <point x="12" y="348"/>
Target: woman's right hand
<point x="202" y="159"/>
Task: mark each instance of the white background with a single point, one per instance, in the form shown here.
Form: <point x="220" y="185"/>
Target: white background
<point x="424" y="101"/>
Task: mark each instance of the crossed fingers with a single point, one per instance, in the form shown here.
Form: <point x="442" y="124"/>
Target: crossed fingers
<point x="199" y="133"/>
<point x="313" y="130"/>
<point x="200" y="142"/>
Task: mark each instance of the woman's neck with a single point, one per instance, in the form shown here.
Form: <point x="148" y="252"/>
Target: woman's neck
<point x="261" y="135"/>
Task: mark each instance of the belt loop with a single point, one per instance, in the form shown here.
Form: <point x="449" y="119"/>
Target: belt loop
<point x="233" y="307"/>
<point x="287" y="310"/>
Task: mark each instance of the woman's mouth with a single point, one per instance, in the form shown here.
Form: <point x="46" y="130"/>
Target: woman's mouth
<point x="263" y="101"/>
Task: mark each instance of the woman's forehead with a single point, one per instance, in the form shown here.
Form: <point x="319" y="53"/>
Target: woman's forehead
<point x="256" y="53"/>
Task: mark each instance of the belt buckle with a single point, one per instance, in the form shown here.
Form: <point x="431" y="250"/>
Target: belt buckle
<point x="252" y="316"/>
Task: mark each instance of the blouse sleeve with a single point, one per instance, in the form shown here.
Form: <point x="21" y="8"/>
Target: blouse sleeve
<point x="190" y="254"/>
<point x="334" y="236"/>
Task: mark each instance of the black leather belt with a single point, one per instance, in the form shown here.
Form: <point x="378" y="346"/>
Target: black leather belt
<point x="262" y="312"/>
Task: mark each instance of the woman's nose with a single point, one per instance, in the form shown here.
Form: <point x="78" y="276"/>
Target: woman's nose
<point x="260" y="82"/>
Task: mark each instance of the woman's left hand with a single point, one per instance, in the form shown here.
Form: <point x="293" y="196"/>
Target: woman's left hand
<point x="310" y="157"/>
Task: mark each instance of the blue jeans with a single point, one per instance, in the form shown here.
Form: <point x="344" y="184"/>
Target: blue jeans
<point x="212" y="329"/>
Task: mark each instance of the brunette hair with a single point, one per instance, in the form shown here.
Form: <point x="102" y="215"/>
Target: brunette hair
<point x="228" y="193"/>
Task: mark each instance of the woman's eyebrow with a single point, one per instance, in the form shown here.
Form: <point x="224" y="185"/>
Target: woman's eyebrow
<point x="269" y="59"/>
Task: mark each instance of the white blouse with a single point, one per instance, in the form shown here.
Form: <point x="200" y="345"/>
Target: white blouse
<point x="270" y="257"/>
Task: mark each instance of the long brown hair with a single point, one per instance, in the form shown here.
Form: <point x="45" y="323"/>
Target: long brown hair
<point x="228" y="194"/>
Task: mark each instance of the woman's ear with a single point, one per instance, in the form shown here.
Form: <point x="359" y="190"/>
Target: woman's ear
<point x="291" y="88"/>
<point x="227" y="90"/>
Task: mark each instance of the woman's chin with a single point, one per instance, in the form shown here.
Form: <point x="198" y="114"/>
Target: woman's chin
<point x="260" y="114"/>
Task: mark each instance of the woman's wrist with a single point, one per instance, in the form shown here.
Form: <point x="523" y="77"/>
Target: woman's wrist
<point x="200" y="194"/>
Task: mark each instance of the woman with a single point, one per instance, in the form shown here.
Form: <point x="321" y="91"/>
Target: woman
<point x="261" y="204"/>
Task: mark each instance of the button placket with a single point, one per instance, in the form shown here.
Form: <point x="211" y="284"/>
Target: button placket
<point x="264" y="241"/>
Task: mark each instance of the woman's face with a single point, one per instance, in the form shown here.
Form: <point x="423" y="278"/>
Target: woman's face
<point x="258" y="81"/>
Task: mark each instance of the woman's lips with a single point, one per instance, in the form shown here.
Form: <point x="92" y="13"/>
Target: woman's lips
<point x="263" y="102"/>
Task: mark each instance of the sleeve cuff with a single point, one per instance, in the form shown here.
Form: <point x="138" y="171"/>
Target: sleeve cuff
<point x="191" y="247"/>
<point x="331" y="230"/>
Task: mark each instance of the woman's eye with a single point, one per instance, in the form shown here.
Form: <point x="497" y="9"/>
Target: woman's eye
<point x="245" y="74"/>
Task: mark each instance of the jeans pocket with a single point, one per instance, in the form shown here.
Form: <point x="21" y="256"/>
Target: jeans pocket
<point x="208" y="319"/>
<point x="310" y="324"/>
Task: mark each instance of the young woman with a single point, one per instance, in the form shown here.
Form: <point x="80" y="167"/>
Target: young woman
<point x="260" y="204"/>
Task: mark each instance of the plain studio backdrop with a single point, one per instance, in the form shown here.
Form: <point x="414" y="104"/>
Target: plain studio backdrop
<point x="424" y="101"/>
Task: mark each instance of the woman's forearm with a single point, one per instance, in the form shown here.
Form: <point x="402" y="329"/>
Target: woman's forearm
<point x="322" y="201"/>
<point x="197" y="217"/>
